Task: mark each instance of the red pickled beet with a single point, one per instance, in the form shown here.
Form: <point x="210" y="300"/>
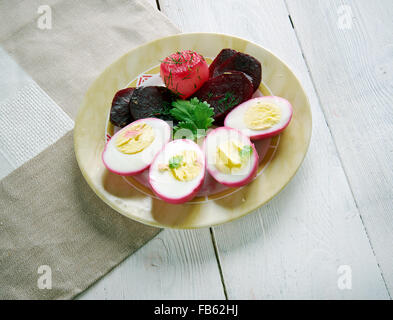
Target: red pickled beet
<point x="231" y="60"/>
<point x="184" y="72"/>
<point x="120" y="114"/>
<point x="225" y="92"/>
<point x="151" y="101"/>
<point x="220" y="59"/>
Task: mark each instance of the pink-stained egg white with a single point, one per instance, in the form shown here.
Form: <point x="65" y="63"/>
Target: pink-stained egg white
<point x="125" y="164"/>
<point x="270" y="126"/>
<point x="231" y="158"/>
<point x="178" y="171"/>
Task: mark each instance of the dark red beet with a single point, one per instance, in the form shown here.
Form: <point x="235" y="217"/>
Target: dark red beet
<point x="220" y="59"/>
<point x="225" y="92"/>
<point x="244" y="63"/>
<point x="152" y="101"/>
<point x="120" y="114"/>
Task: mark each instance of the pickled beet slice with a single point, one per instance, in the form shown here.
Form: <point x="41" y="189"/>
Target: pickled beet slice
<point x="244" y="63"/>
<point x="224" y="92"/>
<point x="152" y="102"/>
<point x="220" y="59"/>
<point x="120" y="114"/>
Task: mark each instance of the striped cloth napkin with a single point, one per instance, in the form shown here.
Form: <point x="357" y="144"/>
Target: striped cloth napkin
<point x="56" y="236"/>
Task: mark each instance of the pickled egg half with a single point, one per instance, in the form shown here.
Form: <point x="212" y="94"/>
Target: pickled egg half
<point x="132" y="149"/>
<point x="231" y="158"/>
<point x="178" y="171"/>
<point x="261" y="117"/>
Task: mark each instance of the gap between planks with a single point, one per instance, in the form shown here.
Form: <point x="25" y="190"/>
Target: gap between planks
<point x="157" y="3"/>
<point x="218" y="263"/>
<point x="335" y="145"/>
<point x="339" y="159"/>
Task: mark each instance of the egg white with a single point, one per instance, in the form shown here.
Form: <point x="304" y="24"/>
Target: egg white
<point x="212" y="141"/>
<point x="124" y="164"/>
<point x="163" y="182"/>
<point x="235" y="119"/>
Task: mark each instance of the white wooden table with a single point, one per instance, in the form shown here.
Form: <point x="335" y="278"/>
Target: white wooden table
<point x="335" y="219"/>
<point x="329" y="233"/>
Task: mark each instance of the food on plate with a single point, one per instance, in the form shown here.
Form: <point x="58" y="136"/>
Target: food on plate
<point x="193" y="115"/>
<point x="151" y="101"/>
<point x="261" y="117"/>
<point x="184" y="72"/>
<point x="230" y="60"/>
<point x="132" y="149"/>
<point x="231" y="158"/>
<point x="222" y="56"/>
<point x="195" y="97"/>
<point x="225" y="92"/>
<point x="178" y="171"/>
<point x="120" y="114"/>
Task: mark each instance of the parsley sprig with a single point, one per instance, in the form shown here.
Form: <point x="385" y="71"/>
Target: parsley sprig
<point x="193" y="115"/>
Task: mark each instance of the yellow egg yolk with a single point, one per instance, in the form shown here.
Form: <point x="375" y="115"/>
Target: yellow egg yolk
<point x="262" y="116"/>
<point x="231" y="156"/>
<point x="135" y="138"/>
<point x="183" y="166"/>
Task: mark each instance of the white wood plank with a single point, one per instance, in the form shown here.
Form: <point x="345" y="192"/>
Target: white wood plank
<point x="292" y="247"/>
<point x="174" y="265"/>
<point x="351" y="62"/>
<point x="153" y="3"/>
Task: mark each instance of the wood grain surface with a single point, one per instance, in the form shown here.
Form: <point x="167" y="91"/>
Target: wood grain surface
<point x="336" y="214"/>
<point x="174" y="265"/>
<point x="352" y="69"/>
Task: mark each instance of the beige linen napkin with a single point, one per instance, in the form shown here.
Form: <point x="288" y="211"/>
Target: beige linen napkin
<point x="48" y="214"/>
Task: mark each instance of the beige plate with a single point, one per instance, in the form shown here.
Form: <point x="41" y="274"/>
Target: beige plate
<point x="89" y="136"/>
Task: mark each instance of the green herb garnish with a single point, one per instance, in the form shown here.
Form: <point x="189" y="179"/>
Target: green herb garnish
<point x="227" y="102"/>
<point x="246" y="151"/>
<point x="193" y="115"/>
<point x="163" y="112"/>
<point x="175" y="162"/>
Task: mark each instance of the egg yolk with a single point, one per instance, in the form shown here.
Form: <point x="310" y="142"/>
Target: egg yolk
<point x="262" y="116"/>
<point x="231" y="156"/>
<point x="183" y="166"/>
<point x="135" y="139"/>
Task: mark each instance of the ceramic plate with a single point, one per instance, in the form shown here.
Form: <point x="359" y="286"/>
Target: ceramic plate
<point x="281" y="156"/>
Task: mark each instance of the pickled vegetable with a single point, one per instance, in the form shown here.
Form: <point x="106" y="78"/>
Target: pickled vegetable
<point x="152" y="102"/>
<point x="237" y="62"/>
<point x="225" y="92"/>
<point x="120" y="114"/>
<point x="220" y="59"/>
<point x="184" y="72"/>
